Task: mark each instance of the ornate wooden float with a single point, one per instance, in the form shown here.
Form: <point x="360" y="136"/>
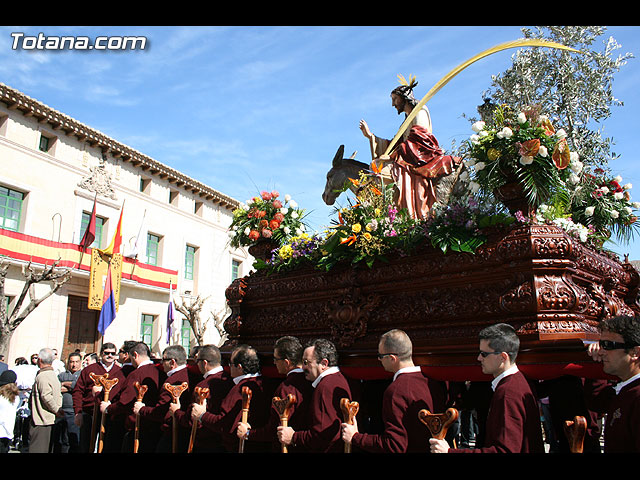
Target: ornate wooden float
<point x="547" y="284"/>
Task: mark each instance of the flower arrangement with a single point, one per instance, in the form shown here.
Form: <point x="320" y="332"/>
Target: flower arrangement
<point x="266" y="217"/>
<point x="461" y="224"/>
<point x="296" y="251"/>
<point x="371" y="227"/>
<point x="603" y="203"/>
<point x="518" y="147"/>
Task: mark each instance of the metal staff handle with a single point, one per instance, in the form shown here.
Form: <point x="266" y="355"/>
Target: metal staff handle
<point x="142" y="389"/>
<point x="246" y="400"/>
<point x="283" y="406"/>
<point x="108" y="385"/>
<point x="201" y="394"/>
<point x="97" y="381"/>
<point x="349" y="412"/>
<point x="175" y="391"/>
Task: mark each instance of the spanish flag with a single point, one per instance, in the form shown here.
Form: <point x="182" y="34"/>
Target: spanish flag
<point x="114" y="246"/>
<point x="108" y="311"/>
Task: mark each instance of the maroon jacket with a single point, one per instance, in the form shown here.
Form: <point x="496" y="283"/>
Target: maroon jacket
<point x="323" y="434"/>
<point x="82" y="395"/>
<point x="403" y="432"/>
<point x="299" y="417"/>
<point x="622" y="426"/>
<point x="513" y="423"/>
<point x="149" y="375"/>
<point x="225" y="422"/>
<point x="219" y="384"/>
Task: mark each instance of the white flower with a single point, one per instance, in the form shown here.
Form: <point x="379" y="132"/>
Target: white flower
<point x="524" y="160"/>
<point x="479" y="166"/>
<point x="542" y="151"/>
<point x="286" y="230"/>
<point x="522" y="117"/>
<point x="293" y="204"/>
<point x="573" y="178"/>
<point x="635" y="204"/>
<point x="284" y="210"/>
<point x="576" y="166"/>
<point x="474" y="187"/>
<point x="294" y="214"/>
<point x="574" y="157"/>
<point x="475" y="139"/>
<point x="561" y="133"/>
<point x="614" y="214"/>
<point x="232" y="233"/>
<point x="589" y="211"/>
<point x="618" y="195"/>
<point x="478" y="126"/>
<point x="249" y="202"/>
<point x="604" y="190"/>
<point x="618" y="179"/>
<point x="298" y="232"/>
<point x="287" y="197"/>
<point x="627" y="186"/>
<point x="483" y="133"/>
<point x="629" y="210"/>
<point x="506" y="132"/>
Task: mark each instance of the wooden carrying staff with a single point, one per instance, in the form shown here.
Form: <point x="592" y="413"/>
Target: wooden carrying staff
<point x="575" y="430"/>
<point x="438" y="423"/>
<point x="283" y="406"/>
<point x="107" y="385"/>
<point x="201" y="394"/>
<point x="349" y="412"/>
<point x="141" y="389"/>
<point x="97" y="381"/>
<point x="246" y="400"/>
<point x="175" y="391"/>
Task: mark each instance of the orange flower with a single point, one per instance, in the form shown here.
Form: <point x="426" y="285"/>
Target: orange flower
<point x="375" y="168"/>
<point x="561" y="155"/>
<point x="274" y="224"/>
<point x="376" y="191"/>
<point x="350" y="240"/>
<point x="355" y="182"/>
<point x="530" y="148"/>
<point x="548" y="128"/>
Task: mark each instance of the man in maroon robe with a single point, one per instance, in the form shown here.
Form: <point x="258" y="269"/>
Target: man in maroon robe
<point x="320" y="364"/>
<point x="407" y="394"/>
<point x="219" y="383"/>
<point x="145" y="373"/>
<point x="86" y="395"/>
<point x="174" y="364"/>
<point x="513" y="423"/>
<point x="619" y="352"/>
<point x="244" y="368"/>
<point x="287" y="357"/>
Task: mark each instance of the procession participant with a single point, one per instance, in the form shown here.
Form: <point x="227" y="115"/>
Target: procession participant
<point x="619" y="352"/>
<point x="86" y="394"/>
<point x="320" y="365"/>
<point x="174" y="364"/>
<point x="287" y="357"/>
<point x="417" y="161"/>
<point x="209" y="362"/>
<point x="513" y="423"/>
<point x="407" y="394"/>
<point x="123" y="357"/>
<point x="244" y="368"/>
<point x="145" y="373"/>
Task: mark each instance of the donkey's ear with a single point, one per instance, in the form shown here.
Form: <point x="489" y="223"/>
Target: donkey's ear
<point x="337" y="160"/>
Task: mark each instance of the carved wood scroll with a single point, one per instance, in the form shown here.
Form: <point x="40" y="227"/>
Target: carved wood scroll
<point x="283" y="406"/>
<point x="176" y="390"/>
<point x="438" y="423"/>
<point x="575" y="430"/>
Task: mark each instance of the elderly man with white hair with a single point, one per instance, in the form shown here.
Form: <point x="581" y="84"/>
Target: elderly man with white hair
<point x="45" y="403"/>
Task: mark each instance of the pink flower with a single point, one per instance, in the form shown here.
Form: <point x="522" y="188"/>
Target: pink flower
<point x="266" y="196"/>
<point x="277" y="203"/>
<point x="266" y="233"/>
<point x="275" y="194"/>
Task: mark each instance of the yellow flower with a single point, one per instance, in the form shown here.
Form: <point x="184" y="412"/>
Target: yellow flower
<point x="367" y="235"/>
<point x="285" y="252"/>
<point x="377" y="212"/>
<point x="356" y="228"/>
<point x="493" y="154"/>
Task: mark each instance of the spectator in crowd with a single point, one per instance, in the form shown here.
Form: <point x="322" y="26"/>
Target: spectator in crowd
<point x="9" y="402"/>
<point x="45" y="403"/>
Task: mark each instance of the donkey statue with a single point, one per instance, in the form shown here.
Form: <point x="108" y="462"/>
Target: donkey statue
<point x="342" y="169"/>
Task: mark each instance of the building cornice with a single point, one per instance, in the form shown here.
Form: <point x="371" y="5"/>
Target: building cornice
<point x="29" y="107"/>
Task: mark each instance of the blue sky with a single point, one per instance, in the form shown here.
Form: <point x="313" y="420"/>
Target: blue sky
<point x="244" y="109"/>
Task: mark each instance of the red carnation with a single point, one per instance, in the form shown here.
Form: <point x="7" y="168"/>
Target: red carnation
<point x="266" y="196"/>
<point x="254" y="235"/>
<point x="279" y="217"/>
<point x="274" y="224"/>
<point x="277" y="204"/>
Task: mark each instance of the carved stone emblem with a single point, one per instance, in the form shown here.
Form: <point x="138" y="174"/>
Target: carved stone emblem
<point x="99" y="181"/>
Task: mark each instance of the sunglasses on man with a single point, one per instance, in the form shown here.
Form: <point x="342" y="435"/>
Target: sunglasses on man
<point x="611" y="345"/>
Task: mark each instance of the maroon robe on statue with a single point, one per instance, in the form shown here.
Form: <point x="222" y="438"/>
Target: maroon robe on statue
<point x="403" y="431"/>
